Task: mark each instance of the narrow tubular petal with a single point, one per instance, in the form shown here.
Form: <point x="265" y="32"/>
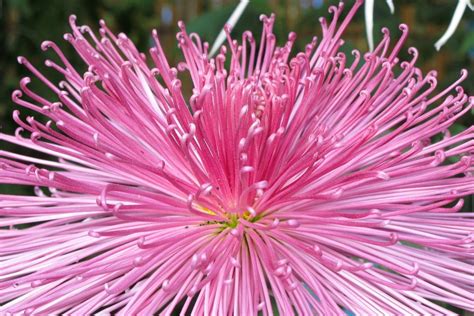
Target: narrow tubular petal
<point x="312" y="182"/>
<point x="455" y="20"/>
<point x="369" y="22"/>
<point x="239" y="9"/>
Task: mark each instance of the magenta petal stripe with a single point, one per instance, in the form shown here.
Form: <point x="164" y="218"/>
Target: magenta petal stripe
<point x="310" y="181"/>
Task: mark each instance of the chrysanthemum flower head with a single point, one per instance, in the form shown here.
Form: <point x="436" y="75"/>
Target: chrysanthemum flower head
<point x="308" y="182"/>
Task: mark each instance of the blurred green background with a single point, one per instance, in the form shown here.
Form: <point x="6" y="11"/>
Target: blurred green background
<point x="24" y="24"/>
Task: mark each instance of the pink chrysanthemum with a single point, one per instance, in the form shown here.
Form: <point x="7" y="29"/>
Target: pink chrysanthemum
<point x="307" y="182"/>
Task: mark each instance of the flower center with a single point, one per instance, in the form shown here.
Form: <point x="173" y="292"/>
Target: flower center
<point x="232" y="219"/>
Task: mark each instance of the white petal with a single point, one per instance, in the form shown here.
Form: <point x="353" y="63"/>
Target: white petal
<point x="391" y="6"/>
<point x="231" y="21"/>
<point x="457" y="16"/>
<point x="369" y="22"/>
<point x="470" y="4"/>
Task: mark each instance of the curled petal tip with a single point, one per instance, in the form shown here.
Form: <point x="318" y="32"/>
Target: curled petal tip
<point x="21" y="60"/>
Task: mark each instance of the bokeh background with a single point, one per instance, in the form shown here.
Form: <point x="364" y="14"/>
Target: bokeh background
<point x="24" y="24"/>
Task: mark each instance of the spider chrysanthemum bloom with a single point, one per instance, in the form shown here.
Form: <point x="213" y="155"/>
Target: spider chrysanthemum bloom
<point x="309" y="183"/>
